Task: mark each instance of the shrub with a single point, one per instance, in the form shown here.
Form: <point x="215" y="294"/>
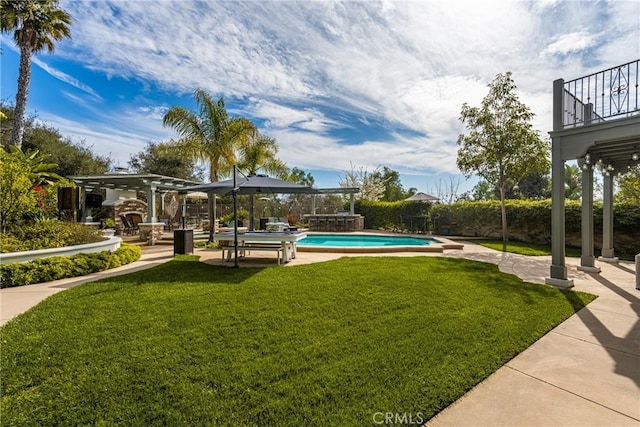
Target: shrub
<point x="243" y="216"/>
<point x="389" y="215"/>
<point x="530" y="221"/>
<point x="48" y="233"/>
<point x="58" y="267"/>
<point x="16" y="188"/>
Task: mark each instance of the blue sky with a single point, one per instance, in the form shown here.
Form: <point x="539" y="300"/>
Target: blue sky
<point x="337" y="84"/>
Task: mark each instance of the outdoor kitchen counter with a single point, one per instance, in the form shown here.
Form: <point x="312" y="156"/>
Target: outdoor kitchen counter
<point x="334" y="222"/>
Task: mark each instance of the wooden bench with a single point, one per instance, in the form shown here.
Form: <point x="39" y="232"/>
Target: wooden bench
<point x="248" y="247"/>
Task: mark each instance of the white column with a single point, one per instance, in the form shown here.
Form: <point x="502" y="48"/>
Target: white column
<point x="608" y="253"/>
<point x="82" y="200"/>
<point x="351" y="204"/>
<point x="151" y="204"/>
<point x="587" y="260"/>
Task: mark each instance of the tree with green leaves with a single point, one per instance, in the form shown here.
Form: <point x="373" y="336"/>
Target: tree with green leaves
<point x="370" y="184"/>
<point x="481" y="191"/>
<point x="70" y="158"/>
<point x="260" y="153"/>
<point x="36" y="25"/>
<point x="34" y="164"/>
<point x="572" y="182"/>
<point x="629" y="186"/>
<point x="535" y="186"/>
<point x="16" y="187"/>
<point x="393" y="189"/>
<point x="301" y="177"/>
<point x="501" y="146"/>
<point x="209" y="135"/>
<point x="159" y="159"/>
<point x="297" y="202"/>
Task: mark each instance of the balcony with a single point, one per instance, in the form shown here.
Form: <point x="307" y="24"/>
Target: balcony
<point x="596" y="118"/>
<point x="596" y="121"/>
<point x="612" y="93"/>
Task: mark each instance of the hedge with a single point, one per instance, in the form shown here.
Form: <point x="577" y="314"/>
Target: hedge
<point x="390" y="215"/>
<point x="61" y="267"/>
<point x="530" y="221"/>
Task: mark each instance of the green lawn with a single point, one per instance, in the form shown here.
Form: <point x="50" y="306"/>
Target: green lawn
<point x="333" y="343"/>
<point x="530" y="249"/>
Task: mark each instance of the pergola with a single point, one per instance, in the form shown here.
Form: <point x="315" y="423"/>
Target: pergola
<point x="596" y="121"/>
<point x="149" y="183"/>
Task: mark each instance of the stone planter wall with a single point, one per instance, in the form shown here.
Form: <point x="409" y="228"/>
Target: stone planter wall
<point x="151" y="232"/>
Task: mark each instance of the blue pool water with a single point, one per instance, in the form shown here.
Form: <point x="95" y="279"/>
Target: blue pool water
<point x="361" y="240"/>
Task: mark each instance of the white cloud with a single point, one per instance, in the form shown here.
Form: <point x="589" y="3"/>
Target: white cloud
<point x="571" y="42"/>
<point x="116" y="136"/>
<point x="153" y="112"/>
<point x="60" y="75"/>
<point x="301" y="67"/>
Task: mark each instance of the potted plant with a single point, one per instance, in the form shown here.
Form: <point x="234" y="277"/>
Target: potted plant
<point x="110" y="227"/>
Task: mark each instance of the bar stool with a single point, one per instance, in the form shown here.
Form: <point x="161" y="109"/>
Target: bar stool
<point x="340" y="224"/>
<point x="313" y="224"/>
<point x="331" y="224"/>
<point x="322" y="224"/>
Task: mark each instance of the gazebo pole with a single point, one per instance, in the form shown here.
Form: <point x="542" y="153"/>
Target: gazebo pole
<point x="212" y="221"/>
<point x="235" y="216"/>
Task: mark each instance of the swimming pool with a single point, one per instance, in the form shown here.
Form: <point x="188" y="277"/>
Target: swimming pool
<point x="367" y="243"/>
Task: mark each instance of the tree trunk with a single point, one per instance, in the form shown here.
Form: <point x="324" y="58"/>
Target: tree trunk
<point x="24" y="77"/>
<point x="503" y="211"/>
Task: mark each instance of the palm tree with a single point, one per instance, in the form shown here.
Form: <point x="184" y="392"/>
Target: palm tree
<point x="36" y="24"/>
<point x="572" y="182"/>
<point x="209" y="135"/>
<point x="259" y="152"/>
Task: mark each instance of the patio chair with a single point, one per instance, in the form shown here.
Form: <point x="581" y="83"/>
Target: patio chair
<point x="287" y="227"/>
<point x="127" y="225"/>
<point x="135" y="219"/>
<point x="166" y="220"/>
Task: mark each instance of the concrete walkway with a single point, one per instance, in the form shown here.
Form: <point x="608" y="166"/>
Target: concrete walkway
<point x="585" y="372"/>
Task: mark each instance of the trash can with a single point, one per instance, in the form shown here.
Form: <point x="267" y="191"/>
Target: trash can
<point x="182" y="242"/>
<point x="263" y="223"/>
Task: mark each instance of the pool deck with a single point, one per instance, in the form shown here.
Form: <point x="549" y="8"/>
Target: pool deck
<point x="585" y="372"/>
